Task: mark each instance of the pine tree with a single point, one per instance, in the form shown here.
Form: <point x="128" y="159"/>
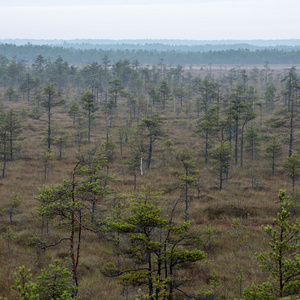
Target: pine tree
<point x="273" y="151"/>
<point x="282" y="261"/>
<point x="292" y="168"/>
<point x="153" y="125"/>
<point x="252" y="140"/>
<point x="158" y="247"/>
<point x="221" y="154"/>
<point x="88" y="104"/>
<point x="50" y="101"/>
<point x="164" y="91"/>
<point x="187" y="177"/>
<point x="14" y="129"/>
<point x="4" y="140"/>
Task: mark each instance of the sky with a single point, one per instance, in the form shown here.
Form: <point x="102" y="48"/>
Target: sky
<point x="150" y="19"/>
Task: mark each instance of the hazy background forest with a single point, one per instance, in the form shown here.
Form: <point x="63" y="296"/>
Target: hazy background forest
<point x="152" y="51"/>
<point x="146" y="169"/>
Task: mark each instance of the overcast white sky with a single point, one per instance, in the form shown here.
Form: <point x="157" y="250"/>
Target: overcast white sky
<point x="145" y="19"/>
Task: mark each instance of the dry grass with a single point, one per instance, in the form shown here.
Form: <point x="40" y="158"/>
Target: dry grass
<point x="238" y="200"/>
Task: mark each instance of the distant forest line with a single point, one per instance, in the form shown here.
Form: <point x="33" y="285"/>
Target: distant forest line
<point x="78" y="43"/>
<point x="154" y="53"/>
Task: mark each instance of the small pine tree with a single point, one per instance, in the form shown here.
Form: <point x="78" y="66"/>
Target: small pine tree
<point x="222" y="155"/>
<point x="292" y="167"/>
<point x="12" y="206"/>
<point x="53" y="283"/>
<point x="46" y="158"/>
<point x="252" y="140"/>
<point x="9" y="236"/>
<point x="282" y="261"/>
<point x="273" y="151"/>
<point x="61" y="142"/>
<point x="187" y="176"/>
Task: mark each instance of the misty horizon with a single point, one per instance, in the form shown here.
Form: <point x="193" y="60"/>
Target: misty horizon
<point x="172" y="19"/>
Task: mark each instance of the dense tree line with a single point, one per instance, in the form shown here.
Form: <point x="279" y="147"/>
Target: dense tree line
<point x="152" y="55"/>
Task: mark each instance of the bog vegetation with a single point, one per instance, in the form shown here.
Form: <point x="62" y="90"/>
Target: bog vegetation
<point x="126" y="181"/>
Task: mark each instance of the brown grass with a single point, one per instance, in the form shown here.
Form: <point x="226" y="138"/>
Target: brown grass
<point x="238" y="200"/>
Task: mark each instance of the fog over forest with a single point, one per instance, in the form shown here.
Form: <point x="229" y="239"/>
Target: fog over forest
<point x="287" y="44"/>
<point x="183" y="52"/>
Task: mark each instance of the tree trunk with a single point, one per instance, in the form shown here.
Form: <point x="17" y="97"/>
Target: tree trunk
<point x="236" y="141"/>
<point x="221" y="176"/>
<point x="49" y="128"/>
<point x="4" y="159"/>
<point x="74" y="281"/>
<point x="45" y="172"/>
<point x="206" y="146"/>
<point x="89" y="129"/>
<point x="134" y="181"/>
<point x="60" y="152"/>
<point x="186" y="202"/>
<point x="150" y="282"/>
<point x="291" y="130"/>
<point x="11" y="145"/>
<point x="149" y="153"/>
<point x="242" y="146"/>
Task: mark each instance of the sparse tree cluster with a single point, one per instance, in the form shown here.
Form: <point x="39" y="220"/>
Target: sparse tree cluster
<point x="146" y="170"/>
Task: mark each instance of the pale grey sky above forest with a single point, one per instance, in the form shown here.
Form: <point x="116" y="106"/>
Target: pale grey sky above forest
<point x="145" y="19"/>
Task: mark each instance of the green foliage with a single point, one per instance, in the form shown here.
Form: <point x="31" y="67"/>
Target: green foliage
<point x="9" y="236"/>
<point x="28" y="84"/>
<point x="11" y="94"/>
<point x="110" y="270"/>
<point x="56" y="201"/>
<point x="258" y="292"/>
<point x="207" y="126"/>
<point x="153" y="243"/>
<point x="52" y="284"/>
<point x="10" y="129"/>
<point x="252" y="140"/>
<point x="73" y="111"/>
<point x="270" y="95"/>
<point x="89" y="105"/>
<point x="273" y="151"/>
<point x="208" y="93"/>
<point x="255" y="178"/>
<point x="51" y="99"/>
<point x="61" y="142"/>
<point x="11" y="208"/>
<point x="164" y="91"/>
<point x="134" y="162"/>
<point x="187" y="177"/>
<point x="238" y="232"/>
<point x="133" y="278"/>
<point x="23" y="284"/>
<point x="116" y="88"/>
<point x="168" y="152"/>
<point x="14" y="128"/>
<point x="46" y="157"/>
<point x="222" y="155"/>
<point x="208" y="238"/>
<point x="292" y="167"/>
<point x="282" y="261"/>
<point x="154" y="132"/>
<point x="280" y="119"/>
